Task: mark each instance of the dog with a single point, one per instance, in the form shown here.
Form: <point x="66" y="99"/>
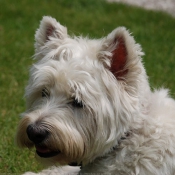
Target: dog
<point x="90" y="108"/>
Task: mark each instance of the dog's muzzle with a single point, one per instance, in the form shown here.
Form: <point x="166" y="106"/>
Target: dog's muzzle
<point x="38" y="135"/>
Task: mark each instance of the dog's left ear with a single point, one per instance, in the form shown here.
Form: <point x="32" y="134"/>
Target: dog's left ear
<point x="49" y="29"/>
<point x="122" y="52"/>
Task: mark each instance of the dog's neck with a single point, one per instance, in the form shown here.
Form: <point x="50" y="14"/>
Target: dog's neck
<point x="123" y="137"/>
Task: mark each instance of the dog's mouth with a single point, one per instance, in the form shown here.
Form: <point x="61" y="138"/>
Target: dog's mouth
<point x="45" y="152"/>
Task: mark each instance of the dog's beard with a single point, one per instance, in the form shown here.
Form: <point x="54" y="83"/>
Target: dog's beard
<point x="64" y="143"/>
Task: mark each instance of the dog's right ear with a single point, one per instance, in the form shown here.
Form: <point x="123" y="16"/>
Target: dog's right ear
<point x="49" y="28"/>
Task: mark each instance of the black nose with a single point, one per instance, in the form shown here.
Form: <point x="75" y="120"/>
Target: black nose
<point x="36" y="134"/>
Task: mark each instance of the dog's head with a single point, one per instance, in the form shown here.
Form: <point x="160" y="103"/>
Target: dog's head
<point x="81" y="93"/>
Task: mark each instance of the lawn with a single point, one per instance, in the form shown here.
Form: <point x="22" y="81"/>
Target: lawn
<point x="155" y="31"/>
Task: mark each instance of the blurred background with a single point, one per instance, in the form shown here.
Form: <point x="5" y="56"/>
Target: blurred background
<point x="19" y="19"/>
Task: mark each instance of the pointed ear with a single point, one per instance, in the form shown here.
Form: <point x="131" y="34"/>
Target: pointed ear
<point x="49" y="28"/>
<point x="123" y="52"/>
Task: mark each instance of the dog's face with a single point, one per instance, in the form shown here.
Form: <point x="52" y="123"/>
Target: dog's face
<point x="80" y="94"/>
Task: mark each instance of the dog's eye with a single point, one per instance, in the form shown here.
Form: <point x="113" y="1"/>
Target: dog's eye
<point x="77" y="104"/>
<point x="45" y="93"/>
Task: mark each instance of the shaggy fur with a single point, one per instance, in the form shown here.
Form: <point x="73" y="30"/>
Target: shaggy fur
<point x="91" y="102"/>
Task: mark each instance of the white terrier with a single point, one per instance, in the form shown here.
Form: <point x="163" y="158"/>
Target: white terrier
<point x="89" y="104"/>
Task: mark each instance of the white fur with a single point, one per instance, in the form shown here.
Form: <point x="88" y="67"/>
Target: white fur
<point x="114" y="107"/>
<point x="55" y="170"/>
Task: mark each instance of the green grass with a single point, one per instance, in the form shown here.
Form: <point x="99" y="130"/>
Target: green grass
<point x="18" y="22"/>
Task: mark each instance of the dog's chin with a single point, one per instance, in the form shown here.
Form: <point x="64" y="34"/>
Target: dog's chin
<point x="45" y="152"/>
